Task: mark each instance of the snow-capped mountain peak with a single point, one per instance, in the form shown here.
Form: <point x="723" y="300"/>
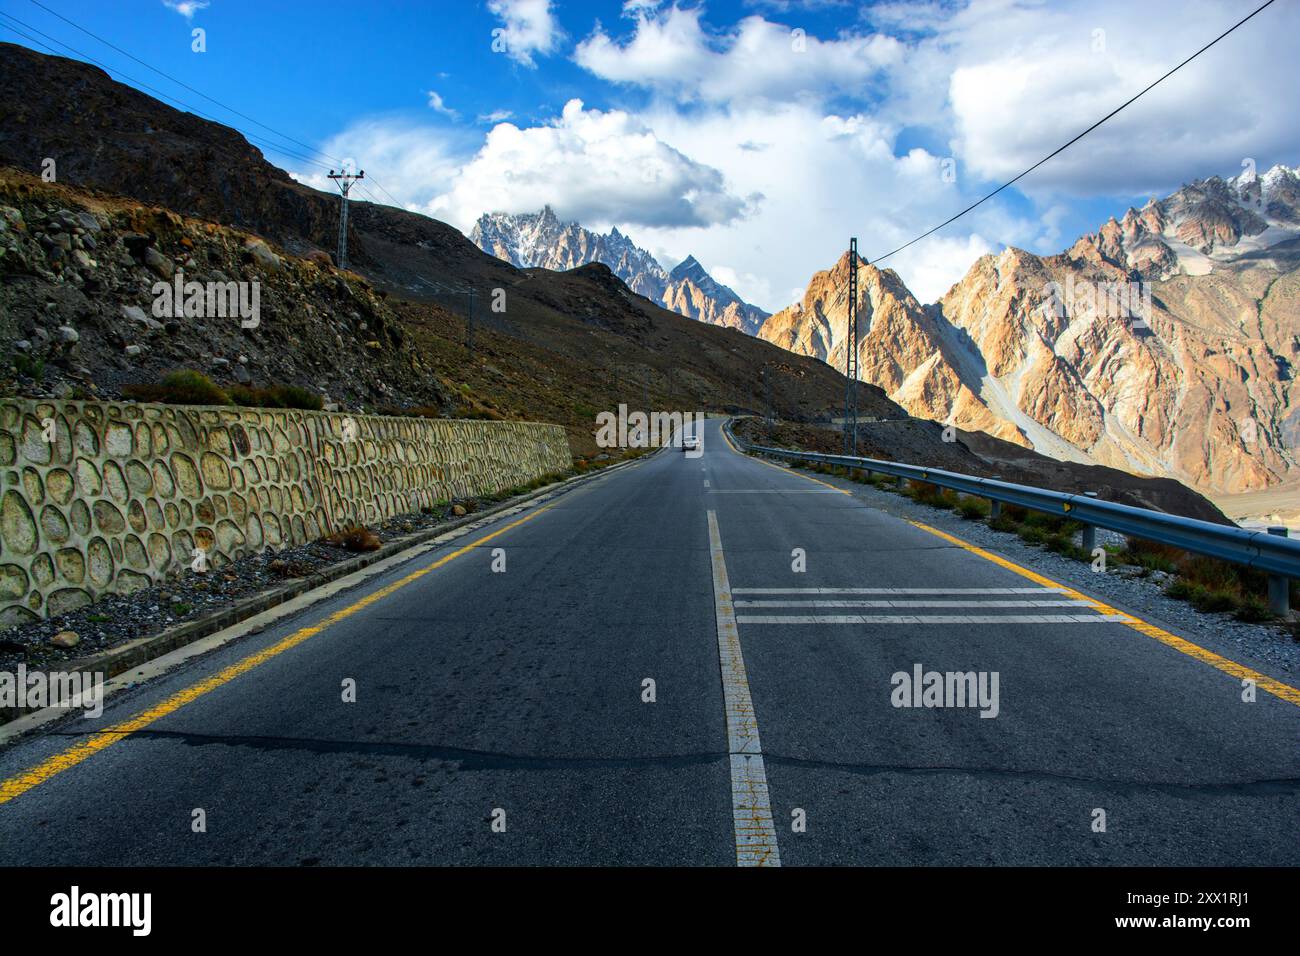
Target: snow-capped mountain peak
<point x="543" y="240"/>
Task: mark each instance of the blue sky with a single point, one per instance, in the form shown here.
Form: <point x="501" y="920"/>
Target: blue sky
<point x="756" y="134"/>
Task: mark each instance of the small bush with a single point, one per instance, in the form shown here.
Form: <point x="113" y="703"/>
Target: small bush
<point x="277" y="396"/>
<point x="973" y="509"/>
<point x="1253" y="610"/>
<point x="1052" y="524"/>
<point x="1216" y="599"/>
<point x="1063" y="543"/>
<point x="295" y="396"/>
<point x="33" y="368"/>
<point x="1004" y="522"/>
<point x="1015" y="513"/>
<point x="1033" y="534"/>
<point x="182" y="387"/>
<point x="1150" y="555"/>
<point x="254" y="397"/>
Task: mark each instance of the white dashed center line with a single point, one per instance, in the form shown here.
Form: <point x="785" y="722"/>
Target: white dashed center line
<point x="751" y="809"/>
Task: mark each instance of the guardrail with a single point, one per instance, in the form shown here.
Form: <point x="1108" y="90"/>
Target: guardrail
<point x="1270" y="551"/>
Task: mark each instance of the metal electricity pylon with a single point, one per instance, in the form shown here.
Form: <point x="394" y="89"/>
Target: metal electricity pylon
<point x="345" y="181"/>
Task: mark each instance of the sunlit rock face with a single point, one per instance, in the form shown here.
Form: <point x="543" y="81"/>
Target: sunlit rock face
<point x="1165" y="343"/>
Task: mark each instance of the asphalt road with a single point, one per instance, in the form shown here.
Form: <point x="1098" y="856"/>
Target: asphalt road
<point x="500" y="716"/>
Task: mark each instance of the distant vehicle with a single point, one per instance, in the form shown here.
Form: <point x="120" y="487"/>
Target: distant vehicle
<point x="691" y="443"/>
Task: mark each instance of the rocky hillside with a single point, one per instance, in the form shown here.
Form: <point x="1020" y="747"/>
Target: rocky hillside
<point x="542" y="240"/>
<point x="80" y="312"/>
<point x="1166" y="343"/>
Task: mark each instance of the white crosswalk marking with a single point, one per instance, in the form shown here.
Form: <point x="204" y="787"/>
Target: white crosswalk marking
<point x="976" y="599"/>
<point x="934" y="619"/>
<point x="924" y="603"/>
<point x="898" y="591"/>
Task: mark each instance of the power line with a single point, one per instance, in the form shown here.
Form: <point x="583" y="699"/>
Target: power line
<point x="181" y="83"/>
<point x="275" y="147"/>
<point x="1061" y="149"/>
<point x="210" y="99"/>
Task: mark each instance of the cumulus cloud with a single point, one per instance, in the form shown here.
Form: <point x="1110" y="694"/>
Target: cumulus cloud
<point x="671" y="53"/>
<point x="592" y="166"/>
<point x="528" y="27"/>
<point x="823" y="178"/>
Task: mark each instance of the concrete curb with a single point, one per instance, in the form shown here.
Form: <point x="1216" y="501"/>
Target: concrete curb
<point x="118" y="660"/>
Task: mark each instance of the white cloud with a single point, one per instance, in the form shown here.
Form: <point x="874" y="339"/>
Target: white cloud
<point x="496" y="116"/>
<point x="438" y="106"/>
<point x="186" y="8"/>
<point x="529" y="27"/>
<point x="1017" y="79"/>
<point x="411" y="160"/>
<point x="823" y="179"/>
<point x="592" y="166"/>
<point x="671" y="53"/>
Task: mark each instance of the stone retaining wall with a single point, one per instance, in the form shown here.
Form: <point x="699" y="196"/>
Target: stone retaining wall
<point x="125" y="492"/>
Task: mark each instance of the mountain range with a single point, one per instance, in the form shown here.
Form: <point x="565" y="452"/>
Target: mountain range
<point x="541" y="240"/>
<point x="1167" y="342"/>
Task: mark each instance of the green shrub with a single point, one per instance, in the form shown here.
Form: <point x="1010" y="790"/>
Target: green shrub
<point x="254" y="397"/>
<point x="277" y="396"/>
<point x="1033" y="534"/>
<point x="973" y="509"/>
<point x="1214" y="599"/>
<point x="1004" y="522"/>
<point x="33" y="368"/>
<point x="295" y="396"/>
<point x="182" y="387"/>
<point x="1253" y="610"/>
<point x="1150" y="555"/>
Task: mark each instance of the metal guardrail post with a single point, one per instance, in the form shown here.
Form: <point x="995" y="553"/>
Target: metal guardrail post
<point x="1090" y="531"/>
<point x="1279" y="587"/>
<point x="995" y="509"/>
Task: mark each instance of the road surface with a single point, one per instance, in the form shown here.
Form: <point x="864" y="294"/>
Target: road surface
<point x="504" y="717"/>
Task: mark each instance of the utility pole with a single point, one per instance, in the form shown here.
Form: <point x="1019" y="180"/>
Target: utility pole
<point x="851" y="357"/>
<point x="345" y="181"/>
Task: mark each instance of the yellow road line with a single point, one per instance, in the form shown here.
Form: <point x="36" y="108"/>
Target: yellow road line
<point x="18" y="785"/>
<point x="1263" y="681"/>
